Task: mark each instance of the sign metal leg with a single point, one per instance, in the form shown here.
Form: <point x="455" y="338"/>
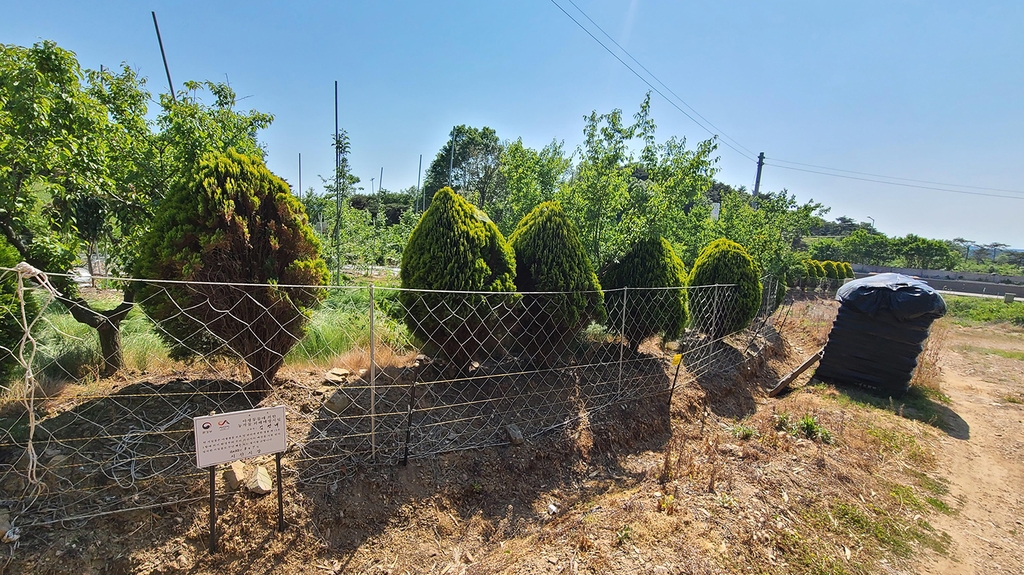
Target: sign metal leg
<point x="213" y="509"/>
<point x="280" y="497"/>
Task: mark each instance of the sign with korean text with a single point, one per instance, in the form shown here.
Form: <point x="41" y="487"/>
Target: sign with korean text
<point x="228" y="437"/>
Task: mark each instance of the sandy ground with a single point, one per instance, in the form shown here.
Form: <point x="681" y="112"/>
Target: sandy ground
<point x="985" y="470"/>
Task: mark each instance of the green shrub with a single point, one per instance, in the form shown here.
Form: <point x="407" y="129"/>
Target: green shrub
<point x="11" y="330"/>
<point x="455" y="247"/>
<point x="551" y="258"/>
<point x="848" y="270"/>
<point x="831" y="271"/>
<point x="231" y="221"/>
<point x="651" y="263"/>
<point x="726" y="262"/>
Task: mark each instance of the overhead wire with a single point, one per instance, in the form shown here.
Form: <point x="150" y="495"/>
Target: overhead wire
<point x="645" y="81"/>
<point x="726" y="139"/>
<point x="658" y="80"/>
<point x="897" y="183"/>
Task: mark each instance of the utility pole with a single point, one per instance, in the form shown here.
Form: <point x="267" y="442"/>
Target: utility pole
<point x="299" y="195"/>
<point x="757" y="182"/>
<point x="419" y="173"/>
<point x="163" y="54"/>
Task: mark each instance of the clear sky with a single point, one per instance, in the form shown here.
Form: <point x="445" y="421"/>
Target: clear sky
<point x="925" y="90"/>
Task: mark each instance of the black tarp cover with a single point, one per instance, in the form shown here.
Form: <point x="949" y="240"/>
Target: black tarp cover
<point x="879" y="332"/>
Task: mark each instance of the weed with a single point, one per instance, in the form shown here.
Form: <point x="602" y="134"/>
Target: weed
<point x="1009" y="398"/>
<point x="972" y="310"/>
<point x="905" y="495"/>
<point x="623" y="534"/>
<point x="783" y="422"/>
<point x="727" y="501"/>
<point x="667" y="504"/>
<point x="744" y="432"/>
<point x="939" y="505"/>
<point x="810" y="428"/>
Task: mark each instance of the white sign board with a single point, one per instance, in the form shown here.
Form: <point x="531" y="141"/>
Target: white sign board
<point x="228" y="437"/>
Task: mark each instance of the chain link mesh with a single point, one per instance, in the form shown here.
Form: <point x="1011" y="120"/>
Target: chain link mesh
<point x="378" y="375"/>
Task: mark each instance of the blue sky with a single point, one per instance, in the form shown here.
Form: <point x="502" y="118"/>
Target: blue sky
<point x="913" y="89"/>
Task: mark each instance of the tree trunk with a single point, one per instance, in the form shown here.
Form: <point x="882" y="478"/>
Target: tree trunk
<point x="107" y="323"/>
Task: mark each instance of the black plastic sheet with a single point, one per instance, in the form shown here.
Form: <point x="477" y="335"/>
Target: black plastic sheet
<point x="879" y="332"/>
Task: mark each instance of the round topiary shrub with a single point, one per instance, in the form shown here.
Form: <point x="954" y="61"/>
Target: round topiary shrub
<point x="848" y="269"/>
<point x="642" y="310"/>
<point x="231" y="222"/>
<point x="455" y="247"/>
<point x="820" y="275"/>
<point x="831" y="271"/>
<point x="550" y="258"/>
<point x="724" y="261"/>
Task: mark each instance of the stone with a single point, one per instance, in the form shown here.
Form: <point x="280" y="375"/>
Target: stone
<point x="5" y="523"/>
<point x="672" y="345"/>
<point x="234" y="476"/>
<point x="260" y="482"/>
<point x="337" y="375"/>
<point x="338" y="401"/>
<point x="514" y="434"/>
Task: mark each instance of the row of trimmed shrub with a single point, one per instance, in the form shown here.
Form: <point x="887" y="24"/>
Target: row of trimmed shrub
<point x="815" y="271"/>
<point x="455" y="247"/>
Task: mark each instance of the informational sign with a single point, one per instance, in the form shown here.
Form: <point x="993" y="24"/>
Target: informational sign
<point x="227" y="437"/>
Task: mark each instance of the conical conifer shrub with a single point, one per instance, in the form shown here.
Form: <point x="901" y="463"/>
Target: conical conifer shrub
<point x="725" y="262"/>
<point x="642" y="310"/>
<point x="550" y="258"/>
<point x="455" y="247"/>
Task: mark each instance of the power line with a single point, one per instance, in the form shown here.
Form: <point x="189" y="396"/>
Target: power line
<point x="947" y="186"/>
<point x="898" y="183"/>
<point x="658" y="80"/>
<point x="897" y="178"/>
<point x="644" y="80"/>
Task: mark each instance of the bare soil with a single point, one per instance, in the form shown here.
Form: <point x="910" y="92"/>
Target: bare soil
<point x="725" y="481"/>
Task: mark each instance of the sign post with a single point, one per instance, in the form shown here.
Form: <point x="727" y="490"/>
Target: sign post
<point x="226" y="437"/>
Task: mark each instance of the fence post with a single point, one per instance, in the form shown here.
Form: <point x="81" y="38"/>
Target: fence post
<point x="622" y="336"/>
<point x="373" y="381"/>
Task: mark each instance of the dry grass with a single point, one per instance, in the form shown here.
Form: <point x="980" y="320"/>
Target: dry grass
<point x="928" y="374"/>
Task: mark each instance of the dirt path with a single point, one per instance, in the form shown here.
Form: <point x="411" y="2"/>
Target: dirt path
<point x="985" y="470"/>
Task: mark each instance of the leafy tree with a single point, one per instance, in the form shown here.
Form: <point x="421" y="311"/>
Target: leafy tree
<point x="620" y="198"/>
<point x="644" y="309"/>
<point x="768" y="233"/>
<point x="551" y="258"/>
<point x="232" y="222"/>
<point x="826" y="249"/>
<point x="531" y="177"/>
<point x="473" y="155"/>
<point x="11" y="329"/>
<point x="454" y="247"/>
<point x="75" y="171"/>
<point x="867" y="248"/>
<point x="918" y="252"/>
<point x="725" y="262"/>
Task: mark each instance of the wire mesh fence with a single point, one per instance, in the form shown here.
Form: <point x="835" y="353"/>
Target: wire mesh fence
<point x="368" y="375"/>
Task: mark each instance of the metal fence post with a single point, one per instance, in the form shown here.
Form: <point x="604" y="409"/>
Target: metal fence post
<point x="622" y="336"/>
<point x="373" y="381"/>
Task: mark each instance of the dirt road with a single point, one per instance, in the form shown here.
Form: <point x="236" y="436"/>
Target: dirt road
<point x="983" y="374"/>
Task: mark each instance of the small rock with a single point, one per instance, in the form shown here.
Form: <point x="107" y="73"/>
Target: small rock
<point x="338" y="401"/>
<point x="514" y="434"/>
<point x="234" y="476"/>
<point x="5" y="522"/>
<point x="260" y="482"/>
<point x="337" y="375"/>
<point x="672" y="345"/>
<point x="11" y="535"/>
<point x="730" y="449"/>
<point x="552" y="508"/>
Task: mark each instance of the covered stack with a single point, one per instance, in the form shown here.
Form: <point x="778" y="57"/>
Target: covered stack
<point x="879" y="332"/>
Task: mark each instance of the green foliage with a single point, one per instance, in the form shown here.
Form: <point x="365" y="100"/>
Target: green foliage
<point x="826" y="249"/>
<point x="619" y="198"/>
<point x="831" y="272"/>
<point x="232" y="221"/>
<point x="726" y="262"/>
<point x="456" y="247"/>
<point x="651" y="263"/>
<point x="984" y="310"/>
<point x="530" y="178"/>
<point x="819" y="270"/>
<point x="11" y="330"/>
<point x="473" y="155"/>
<point x="550" y="258"/>
<point x="848" y="270"/>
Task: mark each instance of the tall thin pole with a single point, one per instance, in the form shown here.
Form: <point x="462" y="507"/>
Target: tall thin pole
<point x="451" y="158"/>
<point x="419" y="173"/>
<point x="300" y="175"/>
<point x="337" y="190"/>
<point x="380" y="182"/>
<point x="164" y="56"/>
<point x="757" y="182"/>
